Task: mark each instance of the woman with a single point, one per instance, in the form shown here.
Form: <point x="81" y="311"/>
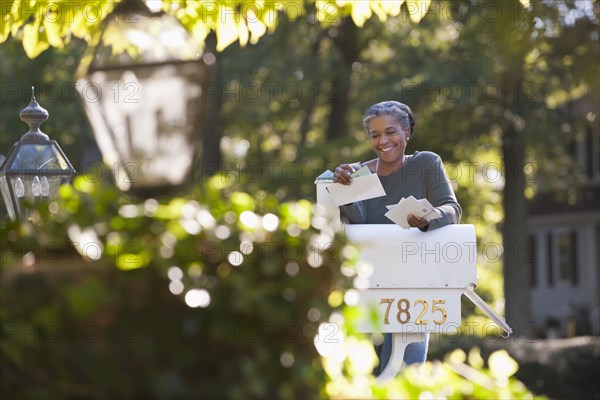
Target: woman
<point x="389" y="125"/>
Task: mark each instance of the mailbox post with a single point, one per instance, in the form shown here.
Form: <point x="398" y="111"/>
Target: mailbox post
<point x="417" y="281"/>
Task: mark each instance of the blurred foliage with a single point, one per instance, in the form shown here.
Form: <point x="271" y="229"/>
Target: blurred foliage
<point x="214" y="303"/>
<point x="560" y="369"/>
<point x="41" y="24"/>
<point x="457" y="378"/>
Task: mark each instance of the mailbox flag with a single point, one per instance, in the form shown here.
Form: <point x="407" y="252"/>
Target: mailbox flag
<point x="487" y="310"/>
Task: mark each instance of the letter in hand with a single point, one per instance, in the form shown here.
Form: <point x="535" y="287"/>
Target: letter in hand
<point x="416" y="222"/>
<point x="342" y="174"/>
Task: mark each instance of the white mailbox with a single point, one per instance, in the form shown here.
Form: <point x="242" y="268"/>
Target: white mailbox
<point x="417" y="278"/>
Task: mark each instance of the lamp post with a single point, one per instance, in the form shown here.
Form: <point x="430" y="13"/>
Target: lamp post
<point x="35" y="166"/>
<point x="141" y="87"/>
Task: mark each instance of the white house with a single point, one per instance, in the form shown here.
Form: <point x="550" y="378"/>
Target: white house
<point x="565" y="267"/>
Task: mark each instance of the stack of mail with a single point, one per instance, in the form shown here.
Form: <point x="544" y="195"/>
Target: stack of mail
<point x="409" y="205"/>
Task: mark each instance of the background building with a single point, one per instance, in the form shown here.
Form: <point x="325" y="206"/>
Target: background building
<point x="565" y="242"/>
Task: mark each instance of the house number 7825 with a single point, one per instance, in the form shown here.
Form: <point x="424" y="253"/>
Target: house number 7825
<point x="403" y="315"/>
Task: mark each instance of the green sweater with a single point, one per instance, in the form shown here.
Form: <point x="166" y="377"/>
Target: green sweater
<point x="422" y="176"/>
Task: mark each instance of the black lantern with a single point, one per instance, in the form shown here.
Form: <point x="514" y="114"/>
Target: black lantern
<point x="141" y="86"/>
<point x="35" y="167"/>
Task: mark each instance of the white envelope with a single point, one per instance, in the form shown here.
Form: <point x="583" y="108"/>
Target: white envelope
<point x="433" y="213"/>
<point x="362" y="188"/>
<point x="421" y="208"/>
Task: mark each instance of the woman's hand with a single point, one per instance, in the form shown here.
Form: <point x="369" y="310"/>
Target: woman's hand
<point x="416" y="222"/>
<point x="342" y="173"/>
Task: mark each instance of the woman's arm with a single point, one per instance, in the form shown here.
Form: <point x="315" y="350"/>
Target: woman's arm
<point x="354" y="213"/>
<point x="440" y="194"/>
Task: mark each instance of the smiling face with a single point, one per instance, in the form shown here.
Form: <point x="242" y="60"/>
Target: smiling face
<point x="388" y="140"/>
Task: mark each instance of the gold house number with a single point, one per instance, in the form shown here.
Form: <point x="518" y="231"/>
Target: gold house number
<point x="403" y="314"/>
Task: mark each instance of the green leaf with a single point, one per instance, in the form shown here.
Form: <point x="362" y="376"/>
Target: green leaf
<point x="475" y="359"/>
<point x="384" y="8"/>
<point x="53" y="33"/>
<point x="31" y="43"/>
<point x="227" y="29"/>
<point x="328" y="12"/>
<point x="502" y="365"/>
<point x="417" y="9"/>
<point x="129" y="261"/>
<point x="242" y="201"/>
<point x="456" y="357"/>
<point x="361" y="11"/>
<point x="6" y="16"/>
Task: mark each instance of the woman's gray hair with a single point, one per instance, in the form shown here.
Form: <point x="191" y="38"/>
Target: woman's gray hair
<point x="400" y="111"/>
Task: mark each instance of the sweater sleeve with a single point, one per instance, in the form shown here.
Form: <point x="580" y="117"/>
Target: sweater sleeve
<point x="441" y="195"/>
<point x="354" y="213"/>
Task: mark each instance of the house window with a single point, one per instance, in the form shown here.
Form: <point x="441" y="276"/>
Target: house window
<point x="567" y="257"/>
<point x="585" y="149"/>
<point x="549" y="261"/>
<point x="532" y="260"/>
